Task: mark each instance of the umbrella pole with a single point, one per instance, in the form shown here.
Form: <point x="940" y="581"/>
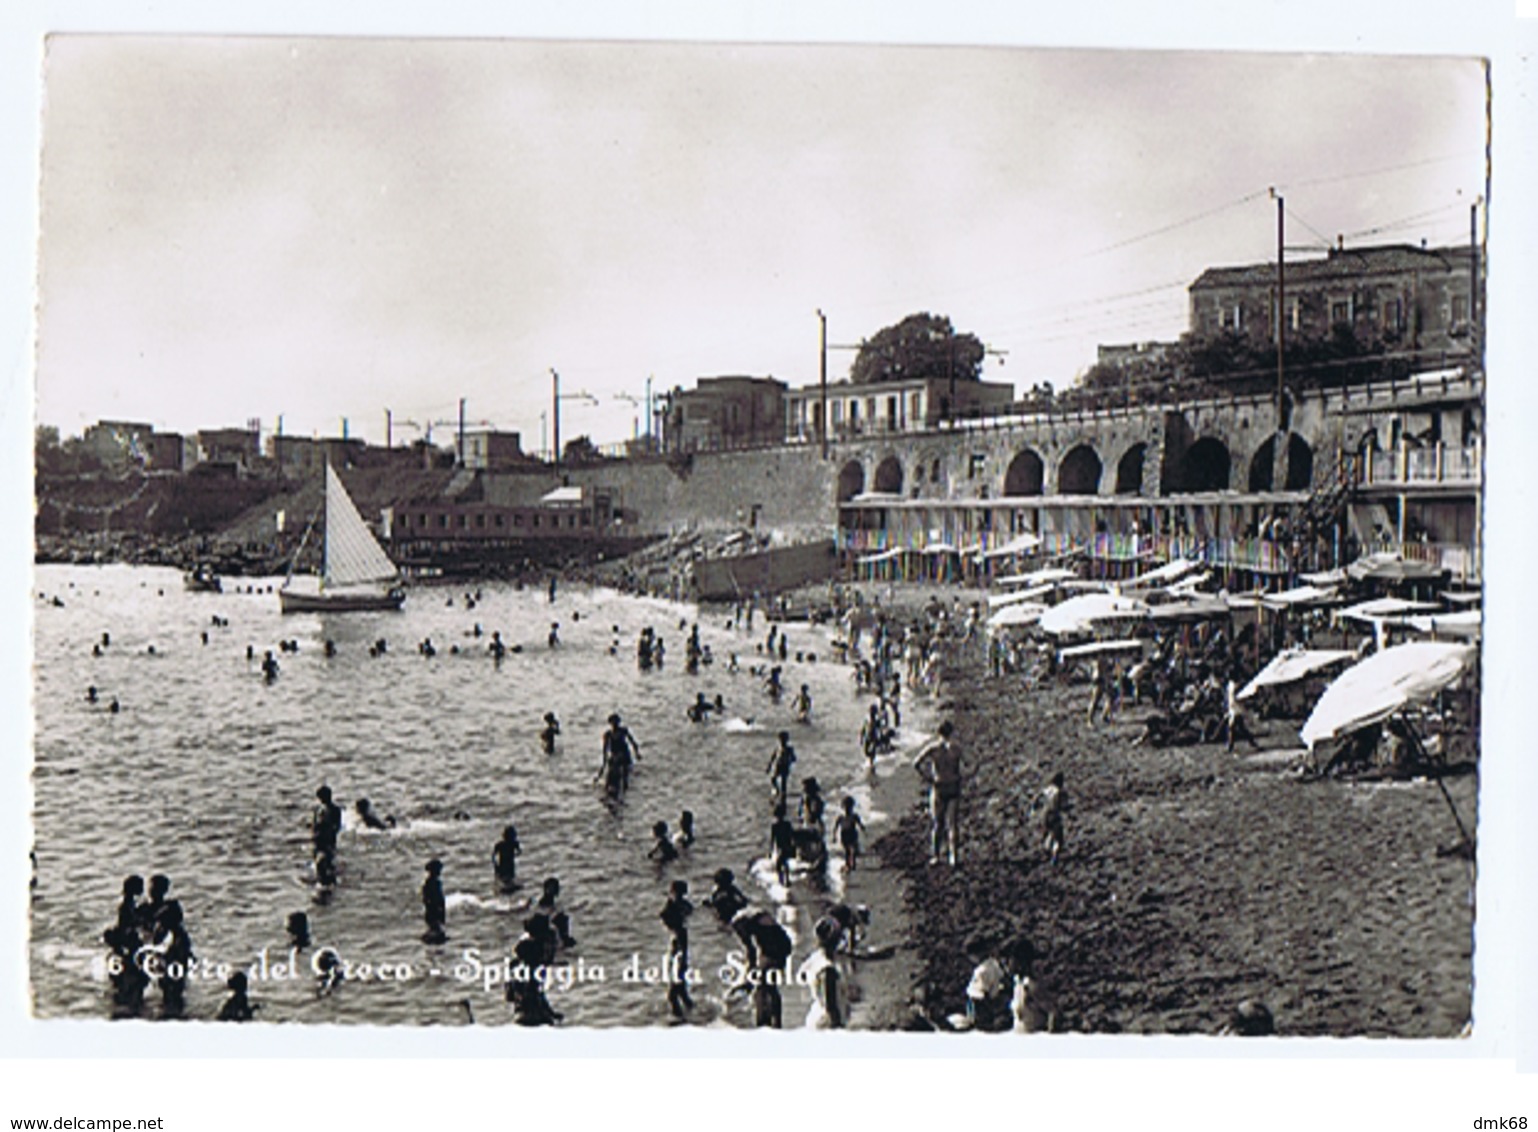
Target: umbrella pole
<point x="1446" y="797"/>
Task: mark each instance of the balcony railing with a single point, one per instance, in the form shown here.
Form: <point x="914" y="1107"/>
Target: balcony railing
<point x="1438" y="464"/>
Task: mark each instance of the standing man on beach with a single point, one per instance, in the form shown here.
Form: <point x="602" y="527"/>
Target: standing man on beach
<point x="939" y="763"/>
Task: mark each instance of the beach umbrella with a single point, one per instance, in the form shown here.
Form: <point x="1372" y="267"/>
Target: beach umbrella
<point x="1023" y="613"/>
<point x="1391" y="568"/>
<point x="997" y="601"/>
<point x="1020" y="544"/>
<point x="884" y="556"/>
<point x="1300" y="596"/>
<point x="1038" y="577"/>
<point x="1381" y="607"/>
<point x="1374" y="689"/>
<point x="1324" y="578"/>
<point x="1170" y="572"/>
<point x="1081" y="614"/>
<point x="1293" y="664"/>
<point x="1197" y="608"/>
<point x="1101" y="648"/>
<point x="1463" y="625"/>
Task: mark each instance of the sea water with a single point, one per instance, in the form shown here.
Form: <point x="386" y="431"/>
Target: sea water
<point x="208" y="774"/>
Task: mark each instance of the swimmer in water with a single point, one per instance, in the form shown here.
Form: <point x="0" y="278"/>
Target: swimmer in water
<point x="549" y="905"/>
<point x="675" y="916"/>
<point x="555" y="634"/>
<point x="848" y="827"/>
<point x="114" y="707"/>
<point x="813" y="803"/>
<point x="726" y="899"/>
<point x="496" y="648"/>
<point x="699" y="711"/>
<point x="90" y="694"/>
<point x="684" y="838"/>
<point x="779" y="766"/>
<point x="328" y="972"/>
<point x="551" y="729"/>
<point x="504" y="858"/>
<point x="270" y="666"/>
<point x="237" y="1008"/>
<point x="802" y="705"/>
<point x="434" y="910"/>
<point x="298" y="930"/>
<point x="621" y="751"/>
<point x="369" y="818"/>
<point x="662" y="850"/>
<point x="782" y="844"/>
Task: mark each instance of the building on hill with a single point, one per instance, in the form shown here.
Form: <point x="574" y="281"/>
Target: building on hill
<point x="725" y="412"/>
<point x="877" y="408"/>
<point x="1414" y="301"/>
<point x="240" y="447"/>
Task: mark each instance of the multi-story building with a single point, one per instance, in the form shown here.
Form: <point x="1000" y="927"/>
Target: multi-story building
<point x="725" y="412"/>
<point x="890" y="406"/>
<point x="1420" y="303"/>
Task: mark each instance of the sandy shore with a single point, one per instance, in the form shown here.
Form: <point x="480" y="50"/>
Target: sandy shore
<point x="1192" y="879"/>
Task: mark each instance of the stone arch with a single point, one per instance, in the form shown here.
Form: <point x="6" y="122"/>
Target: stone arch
<point x="1078" y="473"/>
<point x="1300" y="464"/>
<point x="889" y="476"/>
<point x="1026" y="474"/>
<point x="1299" y="474"/>
<point x="1129" y="470"/>
<point x="851" y="481"/>
<point x="1205" y="466"/>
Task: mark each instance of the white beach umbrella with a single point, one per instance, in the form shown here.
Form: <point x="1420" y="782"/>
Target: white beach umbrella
<point x="1374" y="689"/>
<point x="1022" y="613"/>
<point x="1382" y="607"/>
<point x="1081" y="614"/>
<point x="1293" y="664"/>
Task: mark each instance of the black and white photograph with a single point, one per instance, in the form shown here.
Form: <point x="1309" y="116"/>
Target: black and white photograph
<point x="969" y="543"/>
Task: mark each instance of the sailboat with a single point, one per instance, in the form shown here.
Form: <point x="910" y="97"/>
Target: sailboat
<point x="358" y="574"/>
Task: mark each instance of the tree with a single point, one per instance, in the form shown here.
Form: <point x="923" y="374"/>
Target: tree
<point x="580" y="450"/>
<point x="920" y="346"/>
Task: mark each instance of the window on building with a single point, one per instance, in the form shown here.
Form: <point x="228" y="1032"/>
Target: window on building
<point x="934" y="472"/>
<point x="1340" y="311"/>
<point x="480" y="520"/>
<point x="422" y="520"/>
<point x="1393" y="315"/>
<point x="571" y="521"/>
<point x="1230" y="315"/>
<point x="461" y="518"/>
<point x="587" y="520"/>
<point x="498" y="520"/>
<point x="517" y="518"/>
<point x="443" y="522"/>
<point x="976" y="465"/>
<point x="915" y="407"/>
<point x="1460" y="309"/>
<point x="534" y="522"/>
<point x="1295" y="313"/>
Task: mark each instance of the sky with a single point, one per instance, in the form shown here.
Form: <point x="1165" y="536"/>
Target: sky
<point x="327" y="229"/>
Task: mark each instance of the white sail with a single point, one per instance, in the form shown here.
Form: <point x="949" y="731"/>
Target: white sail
<point x="353" y="555"/>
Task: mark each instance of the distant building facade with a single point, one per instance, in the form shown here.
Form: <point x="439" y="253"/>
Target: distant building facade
<point x="123" y="444"/>
<point x="890" y="406"/>
<point x="238" y="446"/>
<point x="305" y="455"/>
<point x="1421" y="301"/>
<point x="485" y="449"/>
<point x="725" y="412"/>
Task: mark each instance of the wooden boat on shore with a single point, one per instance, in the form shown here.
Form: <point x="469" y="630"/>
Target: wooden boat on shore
<point x="357" y="574"/>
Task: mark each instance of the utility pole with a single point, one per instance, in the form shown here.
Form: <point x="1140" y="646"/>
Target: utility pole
<point x="1281" y="312"/>
<point x="461" y="432"/>
<point x="648" y="413"/>
<point x="389" y="430"/>
<point x="1475" y="337"/>
<point x="822" y="322"/>
<point x="555" y="418"/>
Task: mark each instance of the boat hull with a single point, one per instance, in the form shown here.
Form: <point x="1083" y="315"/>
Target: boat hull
<point x="202" y="584"/>
<point x="292" y="602"/>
